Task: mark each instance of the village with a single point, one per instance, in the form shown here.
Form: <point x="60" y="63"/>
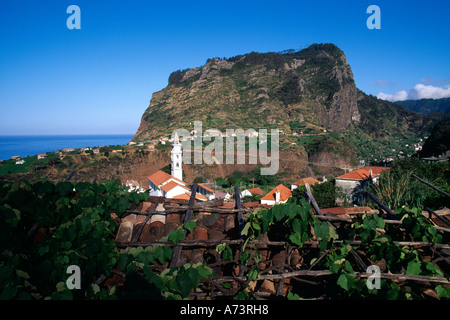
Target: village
<point x="162" y="184"/>
<point x="172" y="186"/>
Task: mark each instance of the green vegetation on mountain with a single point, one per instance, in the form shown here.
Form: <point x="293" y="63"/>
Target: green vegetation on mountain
<point x="427" y="105"/>
<point x="438" y="143"/>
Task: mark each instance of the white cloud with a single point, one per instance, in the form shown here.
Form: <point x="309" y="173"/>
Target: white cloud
<point x="420" y="91"/>
<point x="398" y="96"/>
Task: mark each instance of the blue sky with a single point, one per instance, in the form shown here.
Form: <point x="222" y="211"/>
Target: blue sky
<point x="100" y="79"/>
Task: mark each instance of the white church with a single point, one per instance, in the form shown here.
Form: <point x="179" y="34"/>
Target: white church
<point x="172" y="185"/>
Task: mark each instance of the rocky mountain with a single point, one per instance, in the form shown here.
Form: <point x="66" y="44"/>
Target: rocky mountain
<point x="256" y="90"/>
<point x="308" y="94"/>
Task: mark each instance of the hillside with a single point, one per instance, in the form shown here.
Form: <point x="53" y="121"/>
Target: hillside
<point x="309" y="94"/>
<point x="438" y="143"/>
<point x="427" y="106"/>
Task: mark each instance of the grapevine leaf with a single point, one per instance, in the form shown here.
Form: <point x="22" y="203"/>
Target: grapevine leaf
<point x="43" y="250"/>
<point x="204" y="271"/>
<point x="244" y="231"/>
<point x="253" y="274"/>
<point x="175" y="237"/>
<point x="153" y="278"/>
<point x="265" y="221"/>
<point x="167" y="253"/>
<point x="345" y="281"/>
<point x="296" y="226"/>
<point x="22" y="274"/>
<point x="159" y="255"/>
<point x="226" y="285"/>
<point x="190" y="225"/>
<point x="321" y="229"/>
<point x="382" y="239"/>
<point x="5" y="272"/>
<point x="95" y="288"/>
<point x="123" y="261"/>
<point x="296" y="239"/>
<point x="244" y="257"/>
<point x="442" y="292"/>
<point x="8" y="292"/>
<point x="220" y="247"/>
<point x="292" y="210"/>
<point x="431" y="267"/>
<point x="293" y="296"/>
<point x="278" y="212"/>
<point x="413" y="268"/>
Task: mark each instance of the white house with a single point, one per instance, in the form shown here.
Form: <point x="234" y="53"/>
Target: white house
<point x="280" y="194"/>
<point x="251" y="192"/>
<point x="353" y="182"/>
<point x="223" y="195"/>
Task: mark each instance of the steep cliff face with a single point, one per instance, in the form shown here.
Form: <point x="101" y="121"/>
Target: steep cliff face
<point x="258" y="90"/>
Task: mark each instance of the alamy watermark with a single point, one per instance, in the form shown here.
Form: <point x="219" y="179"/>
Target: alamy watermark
<point x="374" y="20"/>
<point x="373" y="281"/>
<point x="74" y="20"/>
<point x="258" y="147"/>
<point x="74" y="281"/>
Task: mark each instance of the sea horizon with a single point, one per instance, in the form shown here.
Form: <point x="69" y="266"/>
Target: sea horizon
<point x="29" y="145"/>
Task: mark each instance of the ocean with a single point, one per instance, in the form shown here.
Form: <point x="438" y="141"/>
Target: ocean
<point x="31" y="145"/>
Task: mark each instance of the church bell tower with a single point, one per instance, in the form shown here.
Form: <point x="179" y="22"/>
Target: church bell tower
<point x="176" y="156"/>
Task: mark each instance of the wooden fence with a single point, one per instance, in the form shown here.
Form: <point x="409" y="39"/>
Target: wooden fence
<point x="280" y="267"/>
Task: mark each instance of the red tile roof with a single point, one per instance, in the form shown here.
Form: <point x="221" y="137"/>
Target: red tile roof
<point x="159" y="177"/>
<point x="256" y="191"/>
<point x="187" y="196"/>
<point x="376" y="170"/>
<point x="285" y="193"/>
<point x="362" y="174"/>
<point x="308" y="180"/>
<point x="172" y="184"/>
<point x="206" y="188"/>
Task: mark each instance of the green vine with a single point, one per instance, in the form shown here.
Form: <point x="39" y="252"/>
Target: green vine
<point x="46" y="227"/>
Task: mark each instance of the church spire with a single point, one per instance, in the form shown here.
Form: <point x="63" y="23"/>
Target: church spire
<point x="176" y="156"/>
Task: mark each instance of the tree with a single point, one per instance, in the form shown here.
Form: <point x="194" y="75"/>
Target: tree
<point x="324" y="194"/>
